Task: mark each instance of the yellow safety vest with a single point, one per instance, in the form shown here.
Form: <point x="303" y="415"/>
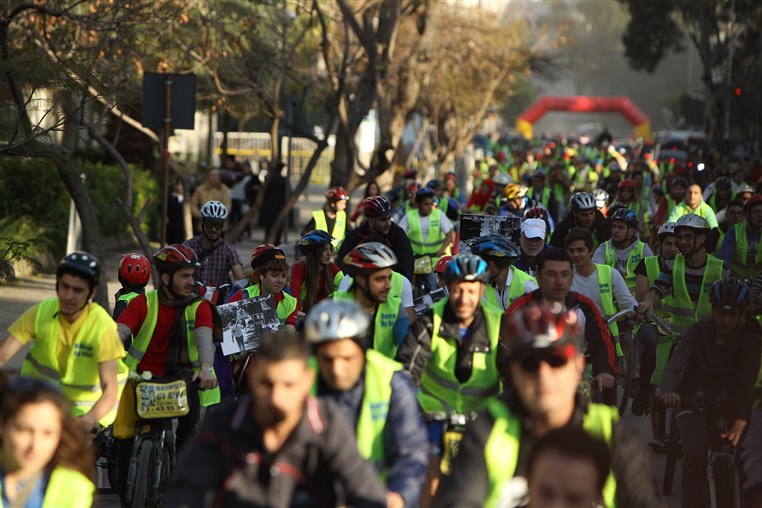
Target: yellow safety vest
<point x="518" y="281"/>
<point x="544" y="198"/>
<point x="140" y="343"/>
<point x="501" y="451"/>
<point x="653" y="269"/>
<point x="684" y="311"/>
<point x="339" y="227"/>
<point x="80" y="382"/>
<point x="434" y="238"/>
<point x="607" y="295"/>
<point x="66" y="488"/>
<point x="739" y="262"/>
<point x="440" y="389"/>
<point x="285" y="307"/>
<point x="386" y="317"/>
<point x="633" y="260"/>
<point x="397" y="283"/>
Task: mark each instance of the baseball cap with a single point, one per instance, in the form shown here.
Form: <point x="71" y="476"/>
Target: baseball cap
<point x="533" y="228"/>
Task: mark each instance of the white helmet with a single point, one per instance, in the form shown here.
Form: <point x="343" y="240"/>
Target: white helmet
<point x="692" y="221"/>
<point x="214" y="210"/>
<point x="601" y="197"/>
<point x="369" y="257"/>
<point x="666" y="229"/>
<point x="502" y="179"/>
<point x="582" y="201"/>
<point x="331" y="320"/>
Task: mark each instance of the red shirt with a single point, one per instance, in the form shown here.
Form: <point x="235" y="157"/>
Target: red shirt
<point x="155" y="357"/>
<point x="299" y="277"/>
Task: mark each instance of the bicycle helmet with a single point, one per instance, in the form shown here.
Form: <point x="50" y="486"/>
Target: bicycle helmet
<point x="434" y="184"/>
<point x="515" y="191"/>
<point x="753" y="201"/>
<point x="723" y="183"/>
<point x="582" y="201"/>
<point x="337" y="194"/>
<point x="451" y="176"/>
<point x="369" y="257"/>
<point x="502" y="179"/>
<point x="376" y="206"/>
<point x="331" y="320"/>
<point x="681" y="181"/>
<point x="532" y="328"/>
<point x="729" y="294"/>
<point x="264" y="254"/>
<point x="134" y="269"/>
<point x="214" y="210"/>
<point x="424" y="193"/>
<point x="496" y="248"/>
<point x="666" y="229"/>
<point x="412" y="188"/>
<point x="441" y="264"/>
<point x="624" y="214"/>
<point x="692" y="221"/>
<point x="745" y="189"/>
<point x="626" y="184"/>
<point x="536" y="212"/>
<point x="313" y="241"/>
<point x="82" y="264"/>
<point x="409" y="173"/>
<point x="175" y="256"/>
<point x="601" y="197"/>
<point x="466" y="268"/>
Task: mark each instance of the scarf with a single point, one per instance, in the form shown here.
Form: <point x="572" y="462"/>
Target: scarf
<point x="177" y="354"/>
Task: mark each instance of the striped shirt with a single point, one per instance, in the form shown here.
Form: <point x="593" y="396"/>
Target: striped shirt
<point x="694" y="277"/>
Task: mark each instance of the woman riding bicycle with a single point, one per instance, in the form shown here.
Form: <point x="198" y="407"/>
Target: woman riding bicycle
<point x="317" y="276"/>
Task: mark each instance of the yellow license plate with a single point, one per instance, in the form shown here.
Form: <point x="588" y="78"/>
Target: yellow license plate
<point x="450" y="444"/>
<point x="422" y="266"/>
<point x="162" y="400"/>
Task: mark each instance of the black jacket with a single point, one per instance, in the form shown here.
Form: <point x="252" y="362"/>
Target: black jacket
<point x="318" y="465"/>
<point x="601" y="230"/>
<point x="397" y="239"/>
<point x="468" y="485"/>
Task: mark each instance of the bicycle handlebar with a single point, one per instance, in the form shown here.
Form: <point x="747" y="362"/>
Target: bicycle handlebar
<point x="449" y="418"/>
<point x="663" y="325"/>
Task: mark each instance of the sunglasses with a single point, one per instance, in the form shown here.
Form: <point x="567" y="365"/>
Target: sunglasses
<point x="213" y="225"/>
<point x="532" y="362"/>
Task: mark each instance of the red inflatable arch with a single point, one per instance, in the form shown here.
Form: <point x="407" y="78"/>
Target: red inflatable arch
<point x="584" y="104"/>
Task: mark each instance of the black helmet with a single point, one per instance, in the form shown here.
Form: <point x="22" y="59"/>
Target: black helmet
<point x="424" y="193"/>
<point x="624" y="214"/>
<point x="729" y="294"/>
<point x="723" y="183"/>
<point x="681" y="181"/>
<point x="496" y="248"/>
<point x="83" y="264"/>
<point x="314" y="240"/>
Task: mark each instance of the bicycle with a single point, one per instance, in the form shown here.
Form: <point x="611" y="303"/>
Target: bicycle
<point x="722" y="486"/>
<point x="454" y="425"/>
<point x="105" y="451"/>
<point x="158" y="402"/>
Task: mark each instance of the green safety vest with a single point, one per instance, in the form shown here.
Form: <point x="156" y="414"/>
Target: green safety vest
<point x="758" y="384"/>
<point x="339" y="227"/>
<point x="79" y="379"/>
<point x="143" y="338"/>
<point x="440" y="389"/>
<point x="703" y="210"/>
<point x="127" y="297"/>
<point x="501" y="451"/>
<point x="739" y="262"/>
<point x="653" y="269"/>
<point x="397" y="283"/>
<point x="386" y="317"/>
<point x="519" y="279"/>
<point x="544" y="198"/>
<point x="285" y="307"/>
<point x="66" y="488"/>
<point x="444" y="204"/>
<point x="684" y="311"/>
<point x="607" y="295"/>
<point x="434" y="238"/>
<point x="374" y="410"/>
<point x="713" y="199"/>
<point x="336" y="282"/>
<point x="633" y="260"/>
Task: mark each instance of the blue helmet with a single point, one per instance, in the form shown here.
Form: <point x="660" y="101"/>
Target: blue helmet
<point x="729" y="294"/>
<point x="466" y="268"/>
<point x="313" y="240"/>
<point x="423" y="193"/>
<point x="624" y="214"/>
<point x="496" y="248"/>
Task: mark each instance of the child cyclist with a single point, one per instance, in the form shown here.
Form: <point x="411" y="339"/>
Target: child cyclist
<point x="134" y="274"/>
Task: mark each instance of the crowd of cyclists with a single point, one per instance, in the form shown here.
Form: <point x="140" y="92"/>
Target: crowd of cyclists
<point x="371" y="395"/>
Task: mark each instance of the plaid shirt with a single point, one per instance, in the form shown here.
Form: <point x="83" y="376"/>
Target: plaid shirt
<point x="215" y="266"/>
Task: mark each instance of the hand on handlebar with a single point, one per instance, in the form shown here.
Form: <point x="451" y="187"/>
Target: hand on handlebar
<point x="644" y="307"/>
<point x="671" y="399"/>
<point x="734" y="436"/>
<point x="206" y="378"/>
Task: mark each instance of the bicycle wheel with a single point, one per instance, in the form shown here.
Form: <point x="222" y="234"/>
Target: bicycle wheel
<point x="673" y="450"/>
<point x="725" y="482"/>
<point x="626" y="372"/>
<point x="142" y="475"/>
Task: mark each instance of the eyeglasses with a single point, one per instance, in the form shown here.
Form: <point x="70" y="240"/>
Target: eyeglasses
<point x="532" y="362"/>
<point x="213" y="225"/>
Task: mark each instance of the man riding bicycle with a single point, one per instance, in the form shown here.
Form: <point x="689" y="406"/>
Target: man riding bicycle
<point x="624" y="250"/>
<point x="583" y="214"/>
<point x="715" y="360"/>
<point x="506" y="282"/>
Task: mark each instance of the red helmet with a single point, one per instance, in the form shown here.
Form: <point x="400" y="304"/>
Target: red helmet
<point x="440" y="266"/>
<point x="175" y="256"/>
<point x="536" y="212"/>
<point x="369" y="257"/>
<point x="412" y="188"/>
<point x="409" y="173"/>
<point x="534" y="327"/>
<point x="134" y="269"/>
<point x="337" y="194"/>
<point x="376" y="206"/>
<point x="753" y="201"/>
<point x="265" y="253"/>
<point x="626" y="184"/>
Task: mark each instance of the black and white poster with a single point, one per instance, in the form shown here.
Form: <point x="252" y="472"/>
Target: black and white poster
<point x="427" y="301"/>
<point x="245" y="322"/>
<point x="473" y="226"/>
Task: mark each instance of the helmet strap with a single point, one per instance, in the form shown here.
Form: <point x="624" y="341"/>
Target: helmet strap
<point x="365" y="290"/>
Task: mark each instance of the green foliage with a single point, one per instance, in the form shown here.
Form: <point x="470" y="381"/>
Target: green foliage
<point x="14" y="250"/>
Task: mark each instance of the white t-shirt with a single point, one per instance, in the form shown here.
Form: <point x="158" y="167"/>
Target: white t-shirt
<point x="502" y="295"/>
<point x="588" y="286"/>
<point x="407" y="290"/>
<point x="445" y="226"/>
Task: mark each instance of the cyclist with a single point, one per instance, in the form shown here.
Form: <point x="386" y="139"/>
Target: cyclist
<point x="506" y="283"/>
<point x="601" y="200"/>
<point x="533" y="234"/>
<point x="717" y="361"/>
<point x="688" y="277"/>
<point x="439" y="269"/>
<point x="647" y="271"/>
<point x="332" y="218"/>
<point x="374" y="393"/>
<point x="276" y="446"/>
<point x="541" y="193"/>
<point x="514" y="198"/>
<point x="720" y="195"/>
<point x="742" y="246"/>
<point x="693" y="203"/>
<point x="172" y="329"/>
<point x="583" y="214"/>
<point x="269" y="279"/>
<point x="370" y="266"/>
<point x="134" y="272"/>
<point x="75" y="343"/>
<point x="452" y="351"/>
<point x="624" y="250"/>
<point x="451" y="190"/>
<point x="449" y="206"/>
<point x="316" y="276"/>
<point x="670" y="201"/>
<point x="378" y="220"/>
<point x="430" y="232"/>
<point x="546" y="365"/>
<point x="217" y="257"/>
<point x="555" y="276"/>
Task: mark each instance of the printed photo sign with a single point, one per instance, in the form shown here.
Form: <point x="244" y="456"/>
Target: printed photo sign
<point x="473" y="226"/>
<point x="245" y="322"/>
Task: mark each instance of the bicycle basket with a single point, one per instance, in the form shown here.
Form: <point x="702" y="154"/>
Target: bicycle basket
<point x="162" y="400"/>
